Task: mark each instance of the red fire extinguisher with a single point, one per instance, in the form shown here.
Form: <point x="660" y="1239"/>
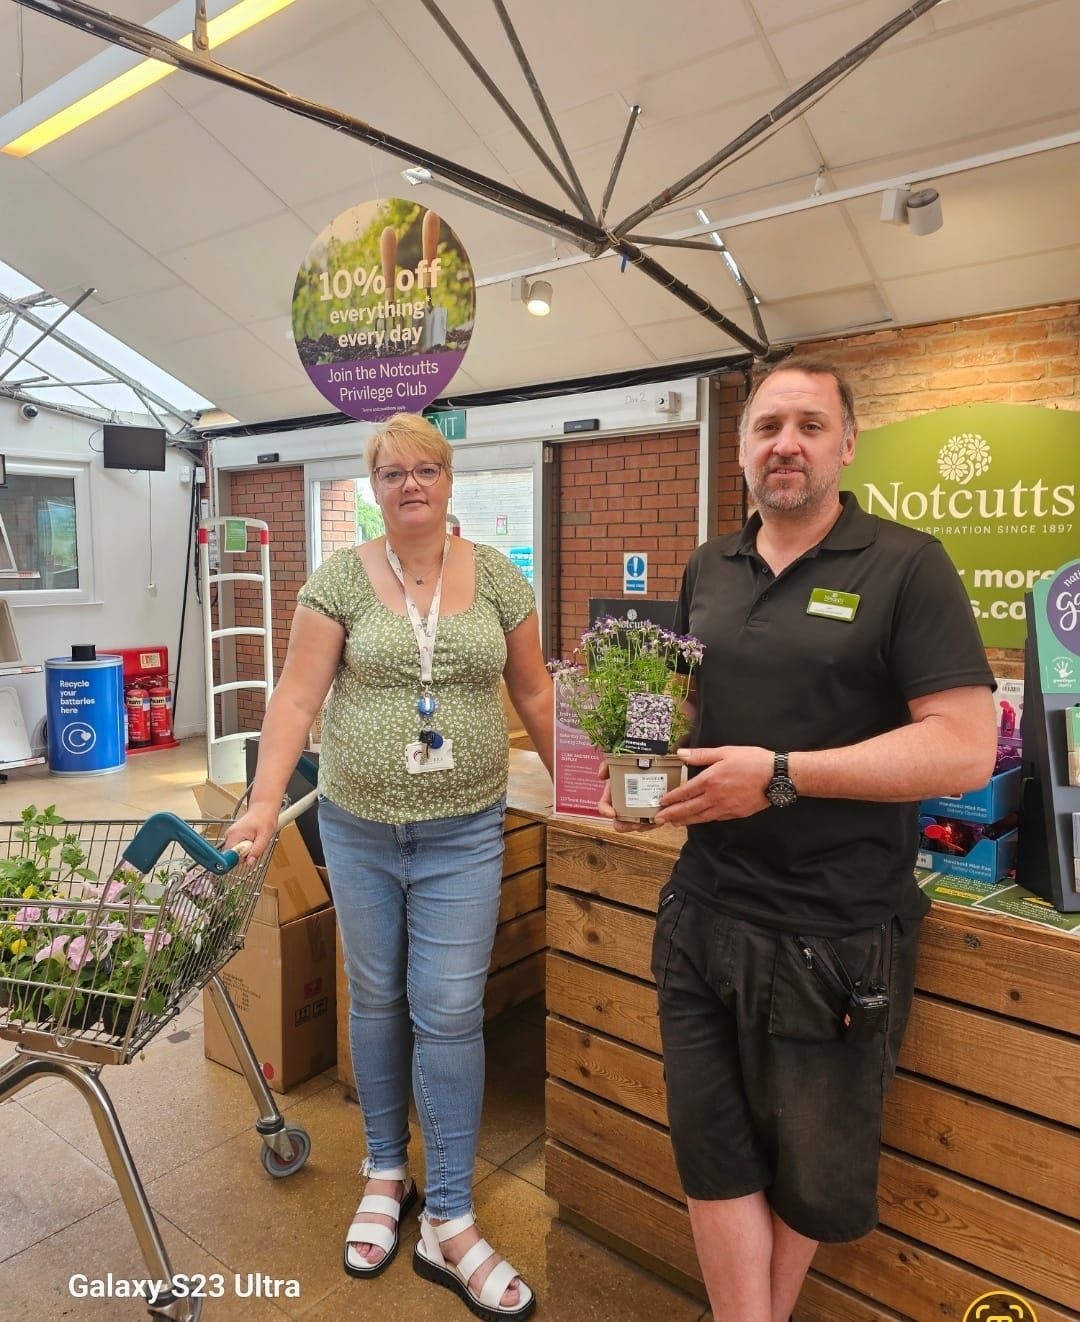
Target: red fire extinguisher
<point x="137" y="705"/>
<point x="160" y="711"/>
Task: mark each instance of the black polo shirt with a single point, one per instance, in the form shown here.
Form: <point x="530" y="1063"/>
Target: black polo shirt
<point x="777" y="677"/>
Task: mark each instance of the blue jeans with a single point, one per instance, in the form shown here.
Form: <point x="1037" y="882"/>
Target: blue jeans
<point x="416" y="907"/>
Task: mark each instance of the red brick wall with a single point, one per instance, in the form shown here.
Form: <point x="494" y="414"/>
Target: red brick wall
<point x="275" y="495"/>
<point x="628" y="493"/>
<point x="337" y="515"/>
<point x="731" y="492"/>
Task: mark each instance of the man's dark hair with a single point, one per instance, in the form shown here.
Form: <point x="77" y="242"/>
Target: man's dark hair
<point x="812" y="367"/>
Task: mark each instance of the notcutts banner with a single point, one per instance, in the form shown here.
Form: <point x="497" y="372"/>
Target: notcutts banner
<point x="995" y="483"/>
<point x="383" y="308"/>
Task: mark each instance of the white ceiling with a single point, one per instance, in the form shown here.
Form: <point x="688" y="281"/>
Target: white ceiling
<point x="190" y="207"/>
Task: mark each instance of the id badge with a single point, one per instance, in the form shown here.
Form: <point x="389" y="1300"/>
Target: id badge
<point x="437" y="759"/>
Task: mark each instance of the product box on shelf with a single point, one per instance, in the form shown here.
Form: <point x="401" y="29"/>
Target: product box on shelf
<point x="999" y="797"/>
<point x="989" y="858"/>
<point x="282" y="982"/>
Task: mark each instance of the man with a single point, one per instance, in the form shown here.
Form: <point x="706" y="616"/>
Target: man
<point x="843" y="681"/>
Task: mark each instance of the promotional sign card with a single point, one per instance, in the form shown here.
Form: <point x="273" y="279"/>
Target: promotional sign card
<point x="648" y="722"/>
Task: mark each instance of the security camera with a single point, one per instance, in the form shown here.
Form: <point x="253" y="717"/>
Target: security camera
<point x="28" y="411"/>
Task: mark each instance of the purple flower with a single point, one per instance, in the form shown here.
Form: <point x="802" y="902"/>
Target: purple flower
<point x="26" y="915"/>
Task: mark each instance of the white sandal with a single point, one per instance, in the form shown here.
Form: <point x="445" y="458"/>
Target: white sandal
<point x="365" y="1231"/>
<point x="428" y="1262"/>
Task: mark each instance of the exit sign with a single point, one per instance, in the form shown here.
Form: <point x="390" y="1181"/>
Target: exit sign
<point x="451" y="422"/>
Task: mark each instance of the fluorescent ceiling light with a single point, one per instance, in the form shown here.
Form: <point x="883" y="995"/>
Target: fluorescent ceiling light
<point x="52" y="114"/>
<point x="729" y="261"/>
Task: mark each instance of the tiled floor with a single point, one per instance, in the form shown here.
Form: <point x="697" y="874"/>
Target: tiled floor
<point x="189" y="1125"/>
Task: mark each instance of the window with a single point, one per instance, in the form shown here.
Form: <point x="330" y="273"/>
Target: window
<point x="44" y="533"/>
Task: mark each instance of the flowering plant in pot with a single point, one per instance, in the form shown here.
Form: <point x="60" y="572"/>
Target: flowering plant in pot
<point x="626" y="693"/>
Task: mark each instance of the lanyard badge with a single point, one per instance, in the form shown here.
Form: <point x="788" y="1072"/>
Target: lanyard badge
<point x="430" y="751"/>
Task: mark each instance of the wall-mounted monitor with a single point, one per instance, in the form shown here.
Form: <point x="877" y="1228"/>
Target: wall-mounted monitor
<point x="134" y="447"/>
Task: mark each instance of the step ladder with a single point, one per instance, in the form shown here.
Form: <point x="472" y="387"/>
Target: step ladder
<point x="225" y="757"/>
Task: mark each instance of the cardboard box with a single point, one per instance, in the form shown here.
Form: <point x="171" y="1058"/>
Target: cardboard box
<point x="282" y="984"/>
<point x="283" y="981"/>
<point x="989" y="860"/>
<point x="10" y="652"/>
<point x="999" y="797"/>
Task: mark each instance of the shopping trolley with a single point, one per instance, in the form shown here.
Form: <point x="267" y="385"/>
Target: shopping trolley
<point x="116" y="929"/>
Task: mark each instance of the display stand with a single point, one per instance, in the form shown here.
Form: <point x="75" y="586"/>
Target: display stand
<point x="1045" y="862"/>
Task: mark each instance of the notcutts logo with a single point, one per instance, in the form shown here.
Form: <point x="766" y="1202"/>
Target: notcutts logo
<point x="964" y="458"/>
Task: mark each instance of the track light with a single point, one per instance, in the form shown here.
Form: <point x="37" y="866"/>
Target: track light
<point x="536" y="297"/>
<point x="920" y="211"/>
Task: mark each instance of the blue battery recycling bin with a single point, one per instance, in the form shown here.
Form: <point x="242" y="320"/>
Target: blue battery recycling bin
<point x="84" y="706"/>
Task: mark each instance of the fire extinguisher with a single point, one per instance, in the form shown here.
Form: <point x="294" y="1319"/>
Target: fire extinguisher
<point x="160" y="711"/>
<point x="137" y="706"/>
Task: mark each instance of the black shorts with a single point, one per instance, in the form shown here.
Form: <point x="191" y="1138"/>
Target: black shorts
<point x="765" y="1089"/>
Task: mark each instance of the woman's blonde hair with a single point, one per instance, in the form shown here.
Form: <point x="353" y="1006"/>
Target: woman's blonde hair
<point x="407" y="431"/>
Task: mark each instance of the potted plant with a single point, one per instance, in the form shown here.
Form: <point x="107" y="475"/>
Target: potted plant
<point x="627" y="694"/>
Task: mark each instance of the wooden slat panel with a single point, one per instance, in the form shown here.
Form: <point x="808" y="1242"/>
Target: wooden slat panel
<point x="608" y="868"/>
<point x="600" y="932"/>
<point x="916" y="1280"/>
<point x="1025" y="1067"/>
<point x="1030" y="1158"/>
<point x="824" y="1301"/>
<point x="621" y="1007"/>
<point x="518" y="938"/>
<point x="622" y="1142"/>
<point x="524" y="849"/>
<point x="621" y="1074"/>
<point x="510" y="986"/>
<point x="1000" y="971"/>
<point x="522" y="893"/>
<point x="645" y="1219"/>
<point x="1036" y="1249"/>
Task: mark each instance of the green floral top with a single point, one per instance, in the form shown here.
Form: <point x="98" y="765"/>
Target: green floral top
<point x="371" y="715"/>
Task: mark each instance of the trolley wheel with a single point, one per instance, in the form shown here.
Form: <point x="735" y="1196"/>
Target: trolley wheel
<point x="277" y="1166"/>
<point x="193" y="1313"/>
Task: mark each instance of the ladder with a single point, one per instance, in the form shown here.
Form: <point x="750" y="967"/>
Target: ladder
<point x="225" y="757"/>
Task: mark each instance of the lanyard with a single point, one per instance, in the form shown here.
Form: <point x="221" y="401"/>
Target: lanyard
<point x="423" y="629"/>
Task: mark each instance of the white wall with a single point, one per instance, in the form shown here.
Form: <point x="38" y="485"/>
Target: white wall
<point x="125" y="612"/>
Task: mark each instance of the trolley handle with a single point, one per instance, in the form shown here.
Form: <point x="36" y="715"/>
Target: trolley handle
<point x="163" y="828"/>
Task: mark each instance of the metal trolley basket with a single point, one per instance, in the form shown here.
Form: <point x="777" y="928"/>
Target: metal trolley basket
<point x="133" y="920"/>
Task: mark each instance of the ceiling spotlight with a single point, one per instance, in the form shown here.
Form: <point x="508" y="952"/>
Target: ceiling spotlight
<point x="919" y="210"/>
<point x="536" y="297"/>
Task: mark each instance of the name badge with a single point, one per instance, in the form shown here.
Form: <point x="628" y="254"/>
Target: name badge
<point x="833" y="605"/>
<point x="419" y="757"/>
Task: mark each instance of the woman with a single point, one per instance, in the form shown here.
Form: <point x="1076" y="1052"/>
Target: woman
<point x="414" y="630"/>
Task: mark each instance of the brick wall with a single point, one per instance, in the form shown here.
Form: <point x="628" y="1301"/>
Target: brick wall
<point x="275" y="495"/>
<point x="731" y="492"/>
<point x="337" y="515"/>
<point x="1030" y="357"/>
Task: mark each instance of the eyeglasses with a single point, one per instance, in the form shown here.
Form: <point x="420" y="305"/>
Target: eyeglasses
<point x="393" y="475"/>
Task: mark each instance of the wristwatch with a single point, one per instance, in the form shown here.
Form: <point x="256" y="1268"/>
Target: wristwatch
<point x="781" y="791"/>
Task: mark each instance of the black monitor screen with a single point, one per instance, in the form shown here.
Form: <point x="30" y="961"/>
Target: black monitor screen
<point x="134" y="447"/>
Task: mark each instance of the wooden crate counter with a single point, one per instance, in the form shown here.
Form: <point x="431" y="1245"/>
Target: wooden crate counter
<point x="518" y="956"/>
<point x="980" y="1173"/>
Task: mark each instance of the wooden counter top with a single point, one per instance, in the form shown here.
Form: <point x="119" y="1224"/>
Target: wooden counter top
<point x="980" y="1173"/>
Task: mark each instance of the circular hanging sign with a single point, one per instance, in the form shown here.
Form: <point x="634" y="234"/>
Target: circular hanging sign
<point x="383" y="308"/>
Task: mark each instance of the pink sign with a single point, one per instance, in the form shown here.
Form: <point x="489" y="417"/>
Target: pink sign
<point x="577" y="763"/>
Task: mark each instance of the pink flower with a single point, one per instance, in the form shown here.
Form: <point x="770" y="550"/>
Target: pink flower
<point x="76" y="952"/>
<point x="53" y="950"/>
<point x="26" y="915"/>
<point x="56" y="914"/>
<point x="148" y="938"/>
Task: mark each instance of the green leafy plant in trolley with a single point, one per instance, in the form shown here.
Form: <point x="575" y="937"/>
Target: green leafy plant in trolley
<point x="74" y="951"/>
<point x="618" y="659"/>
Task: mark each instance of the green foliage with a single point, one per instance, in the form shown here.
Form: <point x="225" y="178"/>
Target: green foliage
<point x="619" y="660"/>
<point x="369" y="519"/>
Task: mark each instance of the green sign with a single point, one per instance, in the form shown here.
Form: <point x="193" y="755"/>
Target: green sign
<point x="1057" y="625"/>
<point x="235" y="535"/>
<point x="995" y="483"/>
<point x="451" y="422"/>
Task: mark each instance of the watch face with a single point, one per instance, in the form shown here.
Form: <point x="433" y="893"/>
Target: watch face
<point x="781" y="792"/>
